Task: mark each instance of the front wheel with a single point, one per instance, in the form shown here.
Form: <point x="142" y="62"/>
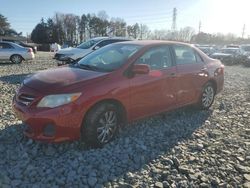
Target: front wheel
<point x="16" y="59"/>
<point x="101" y="125"/>
<point x="207" y="96"/>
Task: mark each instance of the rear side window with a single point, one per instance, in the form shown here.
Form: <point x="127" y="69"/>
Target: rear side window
<point x="5" y="46"/>
<point x="106" y="42"/>
<point x="198" y="57"/>
<point x="185" y="55"/>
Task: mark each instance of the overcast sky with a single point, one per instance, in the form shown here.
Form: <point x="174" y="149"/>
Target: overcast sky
<point x="225" y="16"/>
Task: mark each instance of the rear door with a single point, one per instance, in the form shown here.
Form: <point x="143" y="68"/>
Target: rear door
<point x="6" y="50"/>
<point x="154" y="92"/>
<point x="191" y="74"/>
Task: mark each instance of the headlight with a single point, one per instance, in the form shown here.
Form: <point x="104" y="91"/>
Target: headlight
<point x="66" y="55"/>
<point x="52" y="101"/>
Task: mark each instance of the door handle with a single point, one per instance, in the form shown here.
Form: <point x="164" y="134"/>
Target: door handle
<point x="203" y="69"/>
<point x="172" y="74"/>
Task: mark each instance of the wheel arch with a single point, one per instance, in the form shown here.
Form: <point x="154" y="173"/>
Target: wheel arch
<point x="18" y="55"/>
<point x="120" y="107"/>
<point x="214" y="84"/>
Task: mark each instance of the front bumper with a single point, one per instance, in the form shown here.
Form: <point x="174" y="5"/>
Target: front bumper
<point x="50" y="125"/>
<point x="29" y="56"/>
<point x="62" y="57"/>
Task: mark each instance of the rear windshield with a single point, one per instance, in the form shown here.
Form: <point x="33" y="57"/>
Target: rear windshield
<point x="88" y="44"/>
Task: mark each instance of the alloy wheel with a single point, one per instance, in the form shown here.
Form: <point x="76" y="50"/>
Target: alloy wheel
<point x="107" y="127"/>
<point x="208" y="96"/>
<point x="16" y="59"/>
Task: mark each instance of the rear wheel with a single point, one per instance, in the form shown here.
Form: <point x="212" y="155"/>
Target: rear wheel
<point x="16" y="59"/>
<point x="207" y="96"/>
<point x="101" y="125"/>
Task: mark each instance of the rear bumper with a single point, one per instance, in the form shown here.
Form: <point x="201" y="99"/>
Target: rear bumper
<point x="29" y="56"/>
<point x="220" y="83"/>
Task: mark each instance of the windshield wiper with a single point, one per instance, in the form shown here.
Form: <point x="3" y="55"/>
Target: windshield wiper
<point x="88" y="67"/>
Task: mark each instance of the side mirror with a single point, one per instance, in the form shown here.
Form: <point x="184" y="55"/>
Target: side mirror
<point x="140" y="69"/>
<point x="96" y="47"/>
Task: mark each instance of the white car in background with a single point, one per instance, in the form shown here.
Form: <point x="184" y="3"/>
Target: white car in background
<point x="68" y="55"/>
<point x="15" y="53"/>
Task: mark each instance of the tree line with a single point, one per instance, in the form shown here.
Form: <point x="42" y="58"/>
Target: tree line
<point x="74" y="29"/>
<point x="5" y="28"/>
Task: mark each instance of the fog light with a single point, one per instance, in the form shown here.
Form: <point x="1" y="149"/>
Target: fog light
<point x="49" y="130"/>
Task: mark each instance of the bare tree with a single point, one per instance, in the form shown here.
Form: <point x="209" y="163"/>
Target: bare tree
<point x="117" y="27"/>
<point x="185" y="34"/>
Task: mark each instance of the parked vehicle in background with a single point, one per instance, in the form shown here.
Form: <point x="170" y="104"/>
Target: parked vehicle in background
<point x="246" y="52"/>
<point x="207" y="49"/>
<point x="116" y="84"/>
<point x="55" y="47"/>
<point x="15" y="53"/>
<point x="229" y="56"/>
<point x="69" y="55"/>
<point x="232" y="46"/>
<point x="245" y="49"/>
<point x="33" y="46"/>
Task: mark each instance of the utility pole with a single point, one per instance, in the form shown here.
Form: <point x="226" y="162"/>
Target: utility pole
<point x="199" y="26"/>
<point x="243" y="30"/>
<point x="173" y="28"/>
<point x="174" y="20"/>
<point x="141" y="31"/>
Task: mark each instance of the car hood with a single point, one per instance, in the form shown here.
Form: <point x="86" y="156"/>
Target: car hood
<point x="55" y="79"/>
<point x="74" y="53"/>
<point x="71" y="50"/>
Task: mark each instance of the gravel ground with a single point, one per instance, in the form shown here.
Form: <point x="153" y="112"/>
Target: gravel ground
<point x="184" y="148"/>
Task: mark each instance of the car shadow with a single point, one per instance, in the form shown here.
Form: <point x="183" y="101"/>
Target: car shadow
<point x="13" y="78"/>
<point x="135" y="147"/>
<point x="5" y="63"/>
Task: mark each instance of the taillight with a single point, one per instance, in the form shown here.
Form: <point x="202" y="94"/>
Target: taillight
<point x="30" y="50"/>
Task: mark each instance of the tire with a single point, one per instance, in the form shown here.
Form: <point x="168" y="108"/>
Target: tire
<point x="101" y="125"/>
<point x="207" y="96"/>
<point x="17" y="59"/>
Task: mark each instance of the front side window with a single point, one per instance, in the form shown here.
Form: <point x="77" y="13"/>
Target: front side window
<point x="184" y="55"/>
<point x="157" y="58"/>
<point x="109" y="58"/>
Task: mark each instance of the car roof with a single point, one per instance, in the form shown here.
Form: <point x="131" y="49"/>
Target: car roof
<point x="154" y="42"/>
<point x="11" y="43"/>
<point x="7" y="42"/>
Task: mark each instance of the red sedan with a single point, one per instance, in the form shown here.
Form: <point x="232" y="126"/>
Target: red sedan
<point x="117" y="84"/>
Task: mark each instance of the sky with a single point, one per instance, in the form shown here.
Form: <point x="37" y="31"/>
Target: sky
<point x="224" y="16"/>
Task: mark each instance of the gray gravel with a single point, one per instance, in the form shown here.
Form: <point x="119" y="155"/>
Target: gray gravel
<point x="184" y="148"/>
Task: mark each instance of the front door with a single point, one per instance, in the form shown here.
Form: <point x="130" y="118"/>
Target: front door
<point x="154" y="92"/>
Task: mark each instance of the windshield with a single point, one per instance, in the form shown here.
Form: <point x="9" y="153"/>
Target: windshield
<point x="246" y="48"/>
<point x="89" y="43"/>
<point x="109" y="58"/>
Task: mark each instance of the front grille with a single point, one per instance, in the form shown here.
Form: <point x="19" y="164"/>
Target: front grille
<point x="25" y="99"/>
